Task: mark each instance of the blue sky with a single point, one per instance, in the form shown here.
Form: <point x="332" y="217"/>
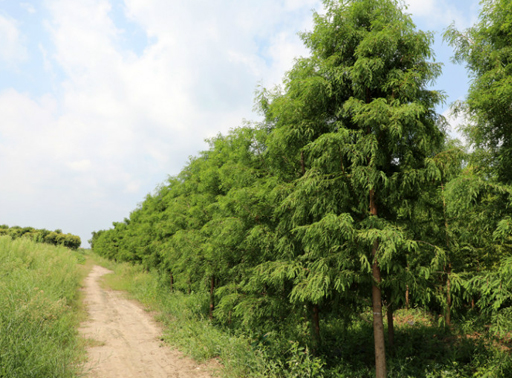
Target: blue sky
<point x="101" y="100"/>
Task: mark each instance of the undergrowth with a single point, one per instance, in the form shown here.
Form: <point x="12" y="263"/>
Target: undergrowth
<point x="422" y="349"/>
<point x="39" y="310"/>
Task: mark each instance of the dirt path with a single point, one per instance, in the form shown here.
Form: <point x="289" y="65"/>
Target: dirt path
<point x="127" y="338"/>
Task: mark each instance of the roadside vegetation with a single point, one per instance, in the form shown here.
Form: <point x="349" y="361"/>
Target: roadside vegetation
<point x="56" y="237"/>
<point x="424" y="346"/>
<point x="345" y="235"/>
<point x="39" y="310"/>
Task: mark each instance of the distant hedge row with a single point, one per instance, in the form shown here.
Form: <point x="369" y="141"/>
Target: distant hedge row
<point x="42" y="236"/>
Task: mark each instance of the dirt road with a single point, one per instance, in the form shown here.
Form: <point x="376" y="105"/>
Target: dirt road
<point x="127" y="339"/>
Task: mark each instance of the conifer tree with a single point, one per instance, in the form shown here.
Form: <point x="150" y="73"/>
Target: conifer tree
<point x="354" y="136"/>
<point x="481" y="196"/>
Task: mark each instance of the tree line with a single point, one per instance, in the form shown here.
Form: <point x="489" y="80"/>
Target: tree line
<point x="42" y="236"/>
<point x="349" y="194"/>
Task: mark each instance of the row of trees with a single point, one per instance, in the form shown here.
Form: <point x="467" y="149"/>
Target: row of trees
<point x="348" y="194"/>
<point x="41" y="235"/>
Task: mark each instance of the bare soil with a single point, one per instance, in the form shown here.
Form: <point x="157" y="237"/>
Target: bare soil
<point x="125" y="340"/>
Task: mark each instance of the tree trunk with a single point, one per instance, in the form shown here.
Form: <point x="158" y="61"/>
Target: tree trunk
<point x="302" y="164"/>
<point x="378" y="326"/>
<point x="449" y="270"/>
<point x="172" y="281"/>
<point x="391" y="326"/>
<point x="448" y="296"/>
<point x="212" y="298"/>
<point x="406" y="297"/>
<point x="315" y="328"/>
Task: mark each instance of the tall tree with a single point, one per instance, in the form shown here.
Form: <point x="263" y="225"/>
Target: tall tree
<point x="354" y="135"/>
<point x="482" y="195"/>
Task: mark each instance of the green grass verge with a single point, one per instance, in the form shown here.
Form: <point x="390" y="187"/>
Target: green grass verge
<point x="39" y="310"/>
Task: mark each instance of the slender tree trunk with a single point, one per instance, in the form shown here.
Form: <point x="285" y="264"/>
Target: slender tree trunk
<point x="391" y="326"/>
<point x="172" y="281"/>
<point x="212" y="298"/>
<point x="315" y="328"/>
<point x="302" y="164"/>
<point x="314" y="313"/>
<point x="448" y="296"/>
<point x="378" y="326"/>
<point x="406" y="297"/>
<point x="449" y="269"/>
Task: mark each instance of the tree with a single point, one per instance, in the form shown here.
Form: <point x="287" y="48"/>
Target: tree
<point x="482" y="195"/>
<point x="486" y="50"/>
<point x="354" y="136"/>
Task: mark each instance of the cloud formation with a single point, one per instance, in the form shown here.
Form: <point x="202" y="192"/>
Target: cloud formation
<point x="12" y="49"/>
<point x="441" y="13"/>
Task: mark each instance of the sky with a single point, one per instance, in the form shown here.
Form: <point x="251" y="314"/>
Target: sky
<point x="102" y="100"/>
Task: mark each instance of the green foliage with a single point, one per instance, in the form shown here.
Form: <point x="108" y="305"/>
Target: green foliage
<point x="280" y="230"/>
<point x="486" y="50"/>
<point x="43" y="236"/>
<point x="481" y="195"/>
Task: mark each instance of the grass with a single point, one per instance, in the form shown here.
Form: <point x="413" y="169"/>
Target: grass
<point x="39" y="310"/>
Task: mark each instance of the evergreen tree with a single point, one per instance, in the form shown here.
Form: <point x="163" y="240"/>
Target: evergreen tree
<point x="481" y="196"/>
<point x="354" y="136"/>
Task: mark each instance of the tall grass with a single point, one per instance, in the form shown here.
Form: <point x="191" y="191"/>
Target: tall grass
<point x="38" y="310"/>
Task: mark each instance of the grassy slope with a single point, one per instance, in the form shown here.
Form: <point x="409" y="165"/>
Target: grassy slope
<point x="39" y="310"/>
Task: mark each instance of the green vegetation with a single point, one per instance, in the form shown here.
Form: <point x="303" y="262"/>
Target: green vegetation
<point x="38" y="310"/>
<point x="346" y="213"/>
<point x="424" y="347"/>
<point x="186" y="327"/>
<point x="42" y="236"/>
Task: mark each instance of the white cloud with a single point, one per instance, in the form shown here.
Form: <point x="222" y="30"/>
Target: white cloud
<point x="455" y="122"/>
<point x="25" y="149"/>
<point x="47" y="64"/>
<point x="12" y="50"/>
<point x="132" y="187"/>
<point x="298" y="4"/>
<point x="80" y="165"/>
<point x="421" y="8"/>
<point x="441" y="13"/>
<point x="28" y="7"/>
